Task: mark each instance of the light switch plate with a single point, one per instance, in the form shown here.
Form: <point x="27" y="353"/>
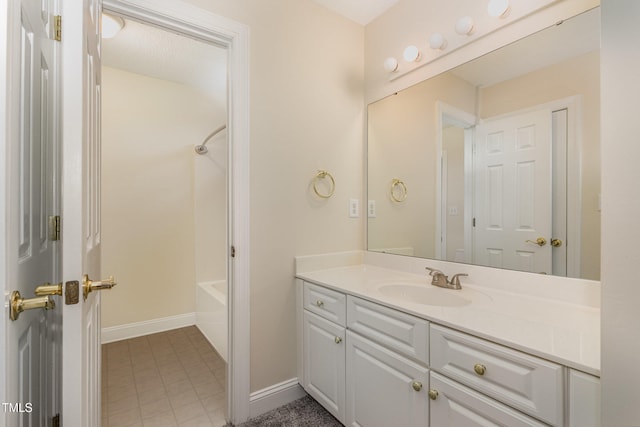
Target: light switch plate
<point x="354" y="208"/>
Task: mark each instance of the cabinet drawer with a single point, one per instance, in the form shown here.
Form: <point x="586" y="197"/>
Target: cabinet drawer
<point x="456" y="405"/>
<point x="524" y="382"/>
<point x="401" y="332"/>
<point x="325" y="303"/>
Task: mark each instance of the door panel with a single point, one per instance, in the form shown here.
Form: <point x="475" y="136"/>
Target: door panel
<point x="33" y="340"/>
<point x="513" y="192"/>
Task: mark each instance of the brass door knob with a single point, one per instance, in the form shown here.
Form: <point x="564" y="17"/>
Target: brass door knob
<point x="89" y="285"/>
<point x="320" y="303"/>
<point x="540" y="241"/>
<point x="338" y="340"/>
<point x="49" y="289"/>
<point x="556" y="243"/>
<point x="433" y="394"/>
<point x="19" y="304"/>
<point x="417" y="385"/>
<point x="479" y="369"/>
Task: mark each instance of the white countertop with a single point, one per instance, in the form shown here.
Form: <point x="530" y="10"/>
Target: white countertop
<point x="562" y="332"/>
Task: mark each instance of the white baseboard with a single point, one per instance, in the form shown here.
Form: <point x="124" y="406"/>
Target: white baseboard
<point x="138" y="329"/>
<point x="269" y="398"/>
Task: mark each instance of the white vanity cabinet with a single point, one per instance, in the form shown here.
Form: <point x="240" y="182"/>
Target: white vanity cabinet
<point x="324" y="348"/>
<point x="375" y="366"/>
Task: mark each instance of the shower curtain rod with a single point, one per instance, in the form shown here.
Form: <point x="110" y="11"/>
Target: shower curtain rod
<point x="202" y="149"/>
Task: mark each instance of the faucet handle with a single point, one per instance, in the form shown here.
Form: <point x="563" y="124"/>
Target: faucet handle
<point x="455" y="280"/>
<point x="433" y="271"/>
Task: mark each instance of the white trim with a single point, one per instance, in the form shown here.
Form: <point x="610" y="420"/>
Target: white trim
<point x="466" y="121"/>
<point x="147" y="327"/>
<point x="271" y="397"/>
<point x="234" y="36"/>
<point x="7" y="130"/>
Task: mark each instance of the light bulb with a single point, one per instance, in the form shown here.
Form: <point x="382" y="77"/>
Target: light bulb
<point x="391" y="64"/>
<point x="437" y="41"/>
<point x="498" y="8"/>
<point x="411" y="54"/>
<point x="111" y="25"/>
<point x="464" y="26"/>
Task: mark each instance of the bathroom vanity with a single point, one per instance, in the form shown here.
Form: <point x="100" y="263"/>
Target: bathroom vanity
<point x="383" y="347"/>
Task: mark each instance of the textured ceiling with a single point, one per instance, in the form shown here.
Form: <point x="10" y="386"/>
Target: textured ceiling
<point x="151" y="51"/>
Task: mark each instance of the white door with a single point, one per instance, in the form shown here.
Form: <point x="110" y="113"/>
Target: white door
<point x="513" y="192"/>
<point x="81" y="210"/>
<point x="31" y="338"/>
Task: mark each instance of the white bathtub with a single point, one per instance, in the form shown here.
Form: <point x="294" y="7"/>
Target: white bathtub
<point x="211" y="313"/>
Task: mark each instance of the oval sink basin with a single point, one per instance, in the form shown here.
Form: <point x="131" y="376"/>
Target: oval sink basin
<point x="421" y="294"/>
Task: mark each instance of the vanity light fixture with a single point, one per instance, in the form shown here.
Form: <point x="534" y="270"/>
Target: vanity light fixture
<point x="437" y="41"/>
<point x="411" y="54"/>
<point x="498" y="8"/>
<point x="391" y="64"/>
<point x="464" y="26"/>
<point x="111" y="25"/>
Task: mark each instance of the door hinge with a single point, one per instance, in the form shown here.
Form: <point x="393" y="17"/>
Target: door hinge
<point x="57" y="28"/>
<point x="473" y="223"/>
<point x="233" y="251"/>
<point x="55" y="421"/>
<point x="54" y="228"/>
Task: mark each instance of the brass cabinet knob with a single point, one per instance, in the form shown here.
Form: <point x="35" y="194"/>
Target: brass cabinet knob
<point x="320" y="303"/>
<point x="417" y="385"/>
<point x="480" y="369"/>
<point x="433" y="394"/>
<point x="19" y="304"/>
<point x="556" y="243"/>
<point x="89" y="285"/>
<point x="338" y="340"/>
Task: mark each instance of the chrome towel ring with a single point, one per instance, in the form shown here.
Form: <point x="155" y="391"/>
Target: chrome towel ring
<point x="322" y="175"/>
<point x="398" y="190"/>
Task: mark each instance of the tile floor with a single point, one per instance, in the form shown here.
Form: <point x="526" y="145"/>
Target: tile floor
<point x="172" y="378"/>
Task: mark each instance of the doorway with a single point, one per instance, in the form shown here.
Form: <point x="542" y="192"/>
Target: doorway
<point x="231" y="36"/>
<point x="164" y="216"/>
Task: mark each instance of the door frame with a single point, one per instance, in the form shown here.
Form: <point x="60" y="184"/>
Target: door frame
<point x="234" y="36"/>
<point x="446" y="113"/>
<point x="7" y="138"/>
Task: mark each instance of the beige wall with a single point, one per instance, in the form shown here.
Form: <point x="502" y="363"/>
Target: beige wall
<point x="553" y="83"/>
<point x="150" y="127"/>
<point x="401" y="144"/>
<point x="306" y="113"/>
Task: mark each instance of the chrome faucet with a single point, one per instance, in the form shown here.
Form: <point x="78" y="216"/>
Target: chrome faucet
<point x="438" y="278"/>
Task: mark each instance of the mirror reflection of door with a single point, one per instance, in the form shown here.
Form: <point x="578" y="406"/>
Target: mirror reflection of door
<point x="507" y="158"/>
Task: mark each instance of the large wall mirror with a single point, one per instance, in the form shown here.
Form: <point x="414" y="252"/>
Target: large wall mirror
<point x="496" y="162"/>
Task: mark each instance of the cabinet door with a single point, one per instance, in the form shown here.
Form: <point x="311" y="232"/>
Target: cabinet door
<point x="454" y="405"/>
<point x="383" y="388"/>
<point x="584" y="400"/>
<point x="324" y="363"/>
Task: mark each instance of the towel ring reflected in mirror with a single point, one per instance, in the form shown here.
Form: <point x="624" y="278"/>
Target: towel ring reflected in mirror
<point x="321" y="176"/>
<point x="398" y="190"/>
